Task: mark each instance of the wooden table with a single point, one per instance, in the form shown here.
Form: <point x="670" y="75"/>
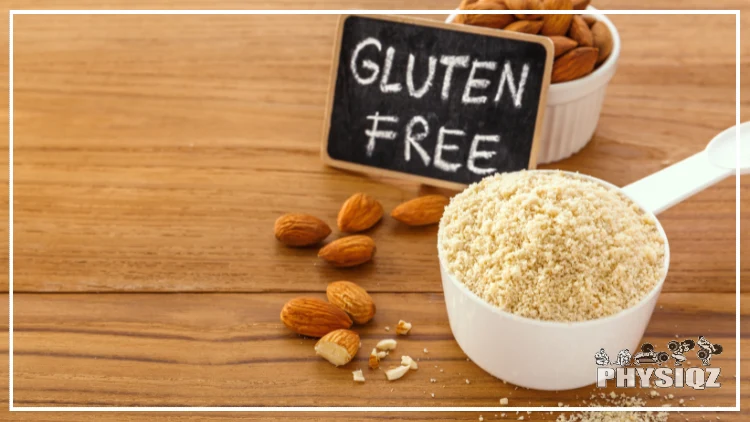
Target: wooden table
<point x="153" y="154"/>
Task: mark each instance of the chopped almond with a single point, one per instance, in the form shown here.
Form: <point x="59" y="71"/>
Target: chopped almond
<point x="374" y="361"/>
<point x="387" y="344"/>
<point x="403" y="328"/>
<point x="408" y="361"/>
<point x="396" y="372"/>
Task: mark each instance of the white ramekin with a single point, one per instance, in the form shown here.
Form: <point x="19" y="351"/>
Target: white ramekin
<point x="543" y="355"/>
<point x="573" y="108"/>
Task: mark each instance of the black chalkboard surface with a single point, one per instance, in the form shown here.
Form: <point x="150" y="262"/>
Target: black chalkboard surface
<point x="442" y="104"/>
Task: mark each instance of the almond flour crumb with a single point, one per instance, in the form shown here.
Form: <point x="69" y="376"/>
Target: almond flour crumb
<point x="609" y="416"/>
<point x="551" y="246"/>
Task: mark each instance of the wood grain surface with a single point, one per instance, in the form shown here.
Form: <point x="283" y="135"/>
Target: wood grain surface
<point x="153" y="153"/>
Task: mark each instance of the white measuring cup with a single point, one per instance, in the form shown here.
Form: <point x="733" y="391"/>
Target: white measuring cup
<point x="549" y="355"/>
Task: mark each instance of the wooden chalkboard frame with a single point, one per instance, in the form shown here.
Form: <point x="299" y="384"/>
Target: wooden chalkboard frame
<point x="378" y="171"/>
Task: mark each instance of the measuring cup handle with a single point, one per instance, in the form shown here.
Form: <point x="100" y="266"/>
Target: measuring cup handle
<point x="671" y="185"/>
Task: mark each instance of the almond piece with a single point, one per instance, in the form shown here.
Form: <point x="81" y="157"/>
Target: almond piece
<point x="387" y="344"/>
<point x="348" y="251"/>
<point x="574" y="64"/>
<point x="313" y="317"/>
<point x="403" y="327"/>
<point x="295" y="229"/>
<point x="338" y="347"/>
<point x="359" y="212"/>
<point x="352" y="299"/>
<point x="358" y="376"/>
<point x="562" y="44"/>
<point x="602" y="40"/>
<point x="590" y="20"/>
<point x="525" y="26"/>
<point x="581" y="4"/>
<point x="397" y="372"/>
<point x="525" y="5"/>
<point x="556" y="24"/>
<point x="374" y="360"/>
<point x="489" y="21"/>
<point x="580" y="32"/>
<point x="408" y="361"/>
<point x="421" y="211"/>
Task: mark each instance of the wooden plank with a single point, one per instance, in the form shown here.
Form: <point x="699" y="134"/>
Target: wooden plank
<point x="327" y="416"/>
<point x="231" y="349"/>
<point x="170" y="144"/>
<point x="129" y="125"/>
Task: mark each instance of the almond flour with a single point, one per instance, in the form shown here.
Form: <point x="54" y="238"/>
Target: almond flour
<point x="551" y="246"/>
<point x="610" y="416"/>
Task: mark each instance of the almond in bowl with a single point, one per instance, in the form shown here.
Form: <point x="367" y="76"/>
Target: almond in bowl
<point x="586" y="50"/>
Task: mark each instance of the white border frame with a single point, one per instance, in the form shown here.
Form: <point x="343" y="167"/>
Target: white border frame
<point x="12" y="408"/>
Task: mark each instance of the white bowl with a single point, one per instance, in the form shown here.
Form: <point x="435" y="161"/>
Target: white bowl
<point x="543" y="355"/>
<point x="573" y="108"/>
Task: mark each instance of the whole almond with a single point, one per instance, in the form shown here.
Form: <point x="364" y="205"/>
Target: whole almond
<point x="589" y="19"/>
<point x="525" y="5"/>
<point x="525" y="26"/>
<point x="465" y="3"/>
<point x="556" y="24"/>
<point x="421" y="211"/>
<point x="602" y="40"/>
<point x="352" y="299"/>
<point x="313" y="317"/>
<point x="562" y="44"/>
<point x="359" y="212"/>
<point x="489" y="21"/>
<point x="348" y="251"/>
<point x="580" y="32"/>
<point x="574" y="64"/>
<point x="581" y="4"/>
<point x="300" y="229"/>
<point x="338" y="347"/>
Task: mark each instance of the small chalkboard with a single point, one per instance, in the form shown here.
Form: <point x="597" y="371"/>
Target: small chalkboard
<point x="441" y="104"/>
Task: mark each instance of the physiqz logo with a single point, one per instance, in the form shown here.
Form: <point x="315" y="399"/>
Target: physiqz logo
<point x="652" y="365"/>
